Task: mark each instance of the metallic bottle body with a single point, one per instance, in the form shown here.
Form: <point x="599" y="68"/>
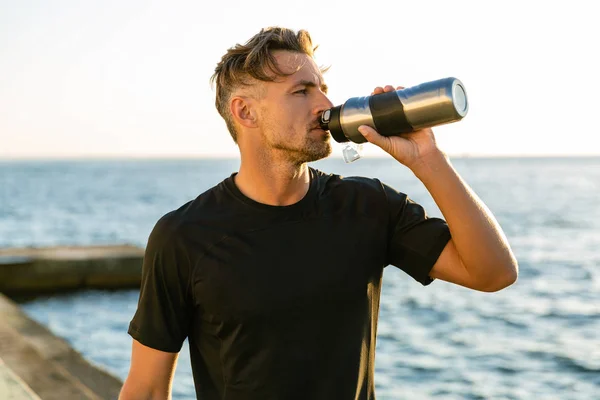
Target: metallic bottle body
<point x="393" y="113"/>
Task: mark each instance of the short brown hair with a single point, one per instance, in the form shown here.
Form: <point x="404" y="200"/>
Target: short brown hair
<point x="255" y="59"/>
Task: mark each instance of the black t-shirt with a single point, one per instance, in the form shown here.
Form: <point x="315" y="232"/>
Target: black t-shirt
<point x="281" y="302"/>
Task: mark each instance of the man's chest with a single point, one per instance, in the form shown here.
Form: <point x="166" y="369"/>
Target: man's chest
<point x="290" y="266"/>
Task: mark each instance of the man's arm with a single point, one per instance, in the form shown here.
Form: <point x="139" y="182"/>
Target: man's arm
<point x="478" y="256"/>
<point x="150" y="374"/>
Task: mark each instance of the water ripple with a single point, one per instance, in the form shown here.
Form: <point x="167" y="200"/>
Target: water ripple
<point x="537" y="339"/>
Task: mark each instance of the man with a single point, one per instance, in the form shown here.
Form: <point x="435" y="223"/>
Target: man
<point x="274" y="275"/>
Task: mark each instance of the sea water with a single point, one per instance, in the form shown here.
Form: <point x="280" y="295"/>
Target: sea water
<point x="539" y="338"/>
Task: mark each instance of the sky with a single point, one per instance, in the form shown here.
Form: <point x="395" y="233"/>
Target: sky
<point x="130" y="78"/>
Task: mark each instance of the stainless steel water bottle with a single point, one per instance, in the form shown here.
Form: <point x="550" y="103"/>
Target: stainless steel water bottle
<point x="401" y="111"/>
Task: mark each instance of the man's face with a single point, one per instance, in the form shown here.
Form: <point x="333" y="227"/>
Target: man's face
<point x="289" y="109"/>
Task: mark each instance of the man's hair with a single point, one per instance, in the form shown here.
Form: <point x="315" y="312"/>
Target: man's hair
<point x="255" y="59"/>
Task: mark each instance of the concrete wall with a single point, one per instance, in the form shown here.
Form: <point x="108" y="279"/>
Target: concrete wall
<point x="46" y="363"/>
<point x="52" y="269"/>
<point x="33" y="361"/>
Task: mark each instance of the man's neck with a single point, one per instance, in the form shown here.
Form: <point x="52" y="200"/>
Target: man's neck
<point x="273" y="182"/>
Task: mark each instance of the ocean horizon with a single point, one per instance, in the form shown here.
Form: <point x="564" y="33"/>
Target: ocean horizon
<point x="159" y="157"/>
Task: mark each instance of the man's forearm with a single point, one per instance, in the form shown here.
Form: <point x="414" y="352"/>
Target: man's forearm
<point x="479" y="239"/>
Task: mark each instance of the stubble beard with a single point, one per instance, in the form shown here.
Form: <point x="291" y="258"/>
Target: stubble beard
<point x="311" y="149"/>
<point x="316" y="148"/>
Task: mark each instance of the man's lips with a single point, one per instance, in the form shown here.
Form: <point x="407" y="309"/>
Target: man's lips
<point x="321" y="132"/>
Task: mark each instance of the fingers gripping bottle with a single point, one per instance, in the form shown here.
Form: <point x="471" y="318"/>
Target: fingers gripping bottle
<point x="393" y="113"/>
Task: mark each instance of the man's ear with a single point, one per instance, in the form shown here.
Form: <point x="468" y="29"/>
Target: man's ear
<point x="243" y="111"/>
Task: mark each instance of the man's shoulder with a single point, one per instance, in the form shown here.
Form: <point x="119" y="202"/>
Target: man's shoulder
<point x="359" y="184"/>
<point x="205" y="210"/>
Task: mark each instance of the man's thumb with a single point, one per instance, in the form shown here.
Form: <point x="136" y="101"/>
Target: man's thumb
<point x="372" y="136"/>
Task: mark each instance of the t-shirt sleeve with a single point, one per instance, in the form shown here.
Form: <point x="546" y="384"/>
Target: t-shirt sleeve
<point x="415" y="240"/>
<point x="164" y="309"/>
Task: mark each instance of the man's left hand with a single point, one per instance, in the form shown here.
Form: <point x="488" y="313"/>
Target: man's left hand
<point x="410" y="149"/>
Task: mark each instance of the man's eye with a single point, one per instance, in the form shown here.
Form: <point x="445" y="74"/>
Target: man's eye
<point x="303" y="91"/>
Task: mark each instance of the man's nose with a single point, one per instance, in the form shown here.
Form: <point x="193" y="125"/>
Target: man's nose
<point x="323" y="104"/>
